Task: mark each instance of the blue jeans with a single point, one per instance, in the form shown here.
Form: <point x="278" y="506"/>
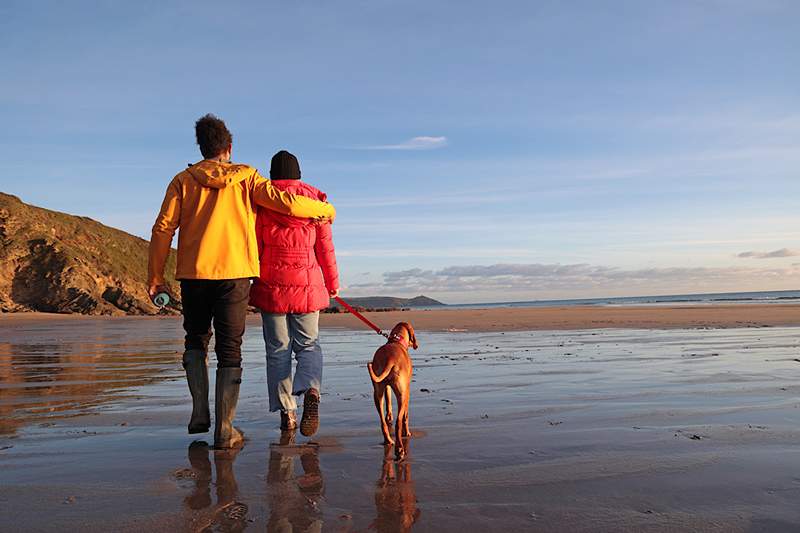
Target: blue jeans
<point x="285" y="334"/>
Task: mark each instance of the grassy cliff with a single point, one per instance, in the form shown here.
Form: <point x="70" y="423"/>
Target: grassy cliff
<point x="59" y="263"/>
<point x="55" y="262"/>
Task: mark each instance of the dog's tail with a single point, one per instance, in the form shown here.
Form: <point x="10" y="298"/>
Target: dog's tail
<point x="376" y="378"/>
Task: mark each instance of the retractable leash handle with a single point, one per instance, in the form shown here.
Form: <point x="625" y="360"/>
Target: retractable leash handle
<point x="361" y="317"/>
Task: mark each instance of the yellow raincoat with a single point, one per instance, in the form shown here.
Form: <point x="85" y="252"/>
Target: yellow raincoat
<point x="214" y="205"/>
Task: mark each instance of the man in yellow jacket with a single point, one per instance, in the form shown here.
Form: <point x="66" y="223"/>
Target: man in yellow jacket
<point x="213" y="203"/>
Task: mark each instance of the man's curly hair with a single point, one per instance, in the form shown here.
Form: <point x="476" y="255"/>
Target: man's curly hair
<point x="213" y="136"/>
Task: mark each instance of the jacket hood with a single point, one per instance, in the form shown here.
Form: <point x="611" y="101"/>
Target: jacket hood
<point x="295" y="187"/>
<point x="216" y="175"/>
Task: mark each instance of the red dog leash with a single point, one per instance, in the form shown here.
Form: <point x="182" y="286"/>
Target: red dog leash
<point x="361" y="317"/>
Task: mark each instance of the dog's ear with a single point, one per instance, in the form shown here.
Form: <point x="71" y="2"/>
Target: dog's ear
<point x="411" y="337"/>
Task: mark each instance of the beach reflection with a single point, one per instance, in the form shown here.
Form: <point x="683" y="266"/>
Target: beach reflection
<point x="395" y="495"/>
<point x="66" y="374"/>
<point x="294" y="499"/>
<point x="200" y="498"/>
<point x="228" y="514"/>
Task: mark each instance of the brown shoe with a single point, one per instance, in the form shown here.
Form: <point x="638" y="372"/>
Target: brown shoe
<point x="309" y="424"/>
<point x="288" y="421"/>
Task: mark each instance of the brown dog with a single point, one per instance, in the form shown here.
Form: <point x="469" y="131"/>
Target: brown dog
<point x="390" y="370"/>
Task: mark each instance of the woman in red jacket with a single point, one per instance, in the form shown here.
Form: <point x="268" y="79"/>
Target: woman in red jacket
<point x="298" y="277"/>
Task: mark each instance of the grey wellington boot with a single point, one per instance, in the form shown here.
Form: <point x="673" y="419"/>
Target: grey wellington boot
<point x="195" y="362"/>
<point x="227" y="396"/>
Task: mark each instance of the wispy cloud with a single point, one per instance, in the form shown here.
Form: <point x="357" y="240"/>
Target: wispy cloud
<point x="537" y="279"/>
<point x="783" y="252"/>
<point x="423" y="142"/>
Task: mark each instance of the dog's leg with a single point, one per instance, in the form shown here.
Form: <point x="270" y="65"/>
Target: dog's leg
<point x="403" y="395"/>
<point x="378" y="395"/>
<point x="388" y="405"/>
<point x="406" y="429"/>
<point x="402" y="410"/>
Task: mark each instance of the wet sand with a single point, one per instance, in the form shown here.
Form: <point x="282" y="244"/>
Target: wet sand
<point x="590" y="430"/>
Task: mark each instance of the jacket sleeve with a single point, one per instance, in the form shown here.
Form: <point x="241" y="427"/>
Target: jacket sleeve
<point x="265" y="195"/>
<point x="260" y="231"/>
<point x="326" y="256"/>
<point x="163" y="231"/>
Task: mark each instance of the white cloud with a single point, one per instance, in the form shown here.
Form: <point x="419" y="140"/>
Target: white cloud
<point x="422" y="142"/>
<point x="783" y="252"/>
<point x="575" y="280"/>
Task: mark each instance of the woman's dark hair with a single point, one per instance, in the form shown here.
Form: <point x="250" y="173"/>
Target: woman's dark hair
<point x="213" y="136"/>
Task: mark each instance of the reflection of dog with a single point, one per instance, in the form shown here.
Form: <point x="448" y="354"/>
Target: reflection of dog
<point x="390" y="370"/>
<point x="395" y="497"/>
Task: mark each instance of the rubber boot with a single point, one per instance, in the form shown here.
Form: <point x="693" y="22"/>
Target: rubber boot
<point x="227" y="396"/>
<point x="195" y="362"/>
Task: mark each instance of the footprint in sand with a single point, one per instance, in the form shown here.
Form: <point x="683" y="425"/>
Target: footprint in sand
<point x="184" y="473"/>
<point x="235" y="511"/>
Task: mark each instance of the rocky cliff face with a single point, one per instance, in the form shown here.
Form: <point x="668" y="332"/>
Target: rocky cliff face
<point x="59" y="263"/>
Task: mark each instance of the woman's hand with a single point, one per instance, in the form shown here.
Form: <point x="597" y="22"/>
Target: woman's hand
<point x="333" y="292"/>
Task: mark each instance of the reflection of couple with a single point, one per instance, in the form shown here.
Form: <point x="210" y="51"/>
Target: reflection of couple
<point x="295" y="498"/>
<point x="236" y="226"/>
<point x="228" y="512"/>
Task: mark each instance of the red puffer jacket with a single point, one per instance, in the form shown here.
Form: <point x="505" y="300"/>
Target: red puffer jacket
<point x="298" y="262"/>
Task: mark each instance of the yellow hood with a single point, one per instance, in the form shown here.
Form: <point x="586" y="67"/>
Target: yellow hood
<point x="219" y="175"/>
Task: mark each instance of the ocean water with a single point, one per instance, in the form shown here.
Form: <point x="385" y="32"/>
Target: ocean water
<point x="772" y="297"/>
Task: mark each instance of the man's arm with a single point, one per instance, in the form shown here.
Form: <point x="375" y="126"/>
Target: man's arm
<point x="161" y="237"/>
<point x="294" y="205"/>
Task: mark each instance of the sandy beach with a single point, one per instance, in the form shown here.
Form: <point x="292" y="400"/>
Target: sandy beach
<point x="582" y="317"/>
<point x="537" y="430"/>
<point x="539" y="318"/>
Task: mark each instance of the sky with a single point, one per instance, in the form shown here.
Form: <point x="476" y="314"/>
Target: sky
<point x="475" y="151"/>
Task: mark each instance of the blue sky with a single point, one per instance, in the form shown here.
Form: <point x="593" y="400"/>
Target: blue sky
<point x="475" y="151"/>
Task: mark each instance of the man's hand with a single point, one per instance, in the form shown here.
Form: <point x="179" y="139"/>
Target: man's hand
<point x="324" y="220"/>
<point x="334" y="293"/>
<point x="155" y="289"/>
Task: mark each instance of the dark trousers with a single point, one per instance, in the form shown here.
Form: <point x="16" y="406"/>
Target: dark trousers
<point x="223" y="302"/>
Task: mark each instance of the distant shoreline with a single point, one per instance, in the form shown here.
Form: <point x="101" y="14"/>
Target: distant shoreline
<point x="528" y="318"/>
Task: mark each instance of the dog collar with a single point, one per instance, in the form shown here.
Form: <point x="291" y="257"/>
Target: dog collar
<point x="399" y="339"/>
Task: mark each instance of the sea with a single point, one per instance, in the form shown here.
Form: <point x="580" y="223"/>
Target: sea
<point x="765" y="297"/>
